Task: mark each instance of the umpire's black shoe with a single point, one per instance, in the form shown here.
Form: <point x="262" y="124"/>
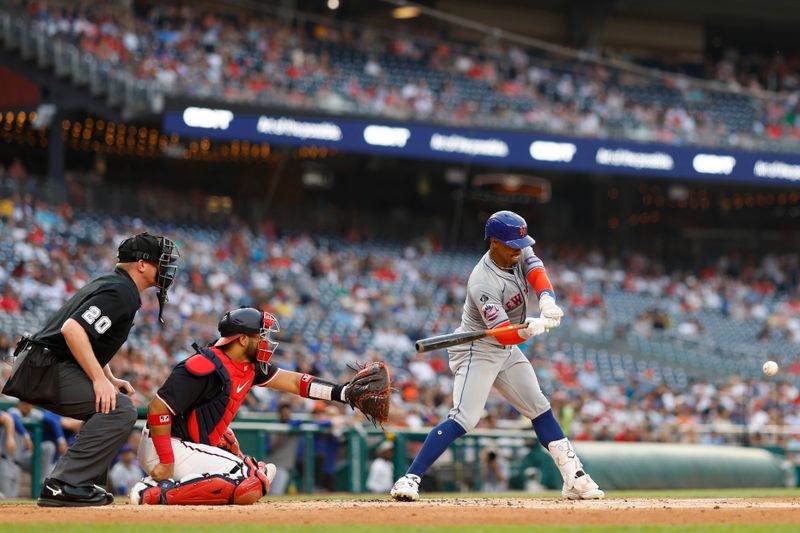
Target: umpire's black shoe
<point x="109" y="496"/>
<point x="56" y="493"/>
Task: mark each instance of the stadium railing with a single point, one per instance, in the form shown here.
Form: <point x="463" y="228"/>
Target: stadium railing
<point x="119" y="87"/>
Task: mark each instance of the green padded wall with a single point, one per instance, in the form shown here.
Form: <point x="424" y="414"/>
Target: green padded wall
<point x="631" y="466"/>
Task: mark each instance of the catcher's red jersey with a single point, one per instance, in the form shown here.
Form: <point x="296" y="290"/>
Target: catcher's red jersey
<point x="205" y="391"/>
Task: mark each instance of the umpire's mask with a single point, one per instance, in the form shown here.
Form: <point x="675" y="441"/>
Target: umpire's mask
<point x="159" y="250"/>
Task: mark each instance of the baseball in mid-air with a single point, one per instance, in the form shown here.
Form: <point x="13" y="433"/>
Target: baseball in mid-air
<point x="770" y="368"/>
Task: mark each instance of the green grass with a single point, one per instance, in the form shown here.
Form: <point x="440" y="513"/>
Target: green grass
<point x="238" y="528"/>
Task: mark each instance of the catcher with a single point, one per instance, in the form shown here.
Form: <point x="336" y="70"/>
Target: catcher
<point x="189" y="451"/>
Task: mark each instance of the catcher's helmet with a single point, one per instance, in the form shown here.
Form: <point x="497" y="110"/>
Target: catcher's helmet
<point x="250" y="321"/>
<point x="509" y="228"/>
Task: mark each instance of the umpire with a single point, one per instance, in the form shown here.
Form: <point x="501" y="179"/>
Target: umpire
<point x="64" y="367"/>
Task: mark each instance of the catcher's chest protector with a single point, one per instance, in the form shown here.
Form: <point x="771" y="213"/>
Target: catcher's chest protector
<point x="208" y="421"/>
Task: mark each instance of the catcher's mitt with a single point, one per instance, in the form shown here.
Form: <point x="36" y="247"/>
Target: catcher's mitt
<point x="369" y="391"/>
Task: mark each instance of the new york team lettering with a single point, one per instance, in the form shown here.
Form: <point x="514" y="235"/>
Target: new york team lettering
<point x="514" y="302"/>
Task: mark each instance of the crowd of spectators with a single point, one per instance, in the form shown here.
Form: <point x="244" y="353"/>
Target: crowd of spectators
<point x="295" y="62"/>
<point x="758" y="71"/>
<point x="360" y="301"/>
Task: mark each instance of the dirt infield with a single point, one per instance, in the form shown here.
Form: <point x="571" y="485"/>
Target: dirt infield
<point x="450" y="511"/>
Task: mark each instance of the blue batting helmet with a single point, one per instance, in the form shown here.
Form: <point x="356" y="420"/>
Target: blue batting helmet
<point x="509" y="228"/>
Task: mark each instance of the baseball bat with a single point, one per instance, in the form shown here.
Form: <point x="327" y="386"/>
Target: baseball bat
<point x="452" y="339"/>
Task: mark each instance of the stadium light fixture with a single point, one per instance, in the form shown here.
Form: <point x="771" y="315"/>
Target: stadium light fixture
<point x="405" y="12"/>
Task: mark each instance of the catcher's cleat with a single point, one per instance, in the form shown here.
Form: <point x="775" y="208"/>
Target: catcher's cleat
<point x="583" y="488"/>
<point x="135" y="496"/>
<point x="145" y="491"/>
<point x="406" y="489"/>
<point x="270" y="470"/>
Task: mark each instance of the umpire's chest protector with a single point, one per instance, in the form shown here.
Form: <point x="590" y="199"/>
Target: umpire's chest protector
<point x="208" y="421"/>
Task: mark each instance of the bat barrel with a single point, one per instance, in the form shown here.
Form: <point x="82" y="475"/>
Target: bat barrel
<point x="445" y="341"/>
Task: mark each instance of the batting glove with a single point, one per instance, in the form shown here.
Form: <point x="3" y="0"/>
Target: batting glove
<point x="536" y="326"/>
<point x="550" y="311"/>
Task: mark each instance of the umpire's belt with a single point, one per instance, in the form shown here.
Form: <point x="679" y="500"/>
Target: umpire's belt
<point x="26" y="343"/>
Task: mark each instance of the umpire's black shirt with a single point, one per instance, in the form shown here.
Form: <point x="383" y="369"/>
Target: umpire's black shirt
<point x="104" y="307"/>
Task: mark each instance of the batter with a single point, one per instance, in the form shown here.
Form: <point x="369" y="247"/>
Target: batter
<point x="497" y="293"/>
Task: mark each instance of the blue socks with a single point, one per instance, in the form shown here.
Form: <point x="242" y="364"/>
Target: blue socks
<point x="436" y="443"/>
<point x="546" y="427"/>
<point x="440" y="437"/>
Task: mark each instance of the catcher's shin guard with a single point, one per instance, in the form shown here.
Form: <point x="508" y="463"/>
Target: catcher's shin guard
<point x="214" y="489"/>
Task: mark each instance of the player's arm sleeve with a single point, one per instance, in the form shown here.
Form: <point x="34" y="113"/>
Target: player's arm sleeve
<point x="262" y="378"/>
<point x="101" y="311"/>
<point x="536" y="273"/>
<point x="182" y="389"/>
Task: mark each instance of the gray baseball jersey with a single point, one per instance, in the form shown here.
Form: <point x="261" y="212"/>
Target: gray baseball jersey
<point x="494" y="296"/>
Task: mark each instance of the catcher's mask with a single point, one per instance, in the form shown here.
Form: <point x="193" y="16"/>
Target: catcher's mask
<point x="250" y="321"/>
<point x="159" y="250"/>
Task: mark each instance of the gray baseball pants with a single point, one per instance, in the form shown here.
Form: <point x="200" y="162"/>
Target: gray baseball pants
<point x="478" y="367"/>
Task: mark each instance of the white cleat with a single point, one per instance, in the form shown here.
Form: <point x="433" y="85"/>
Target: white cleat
<point x="271" y="470"/>
<point x="137" y="490"/>
<point x="583" y="488"/>
<point x="578" y="485"/>
<point x="406" y="489"/>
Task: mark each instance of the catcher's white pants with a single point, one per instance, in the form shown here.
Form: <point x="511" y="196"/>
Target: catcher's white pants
<point x="191" y="459"/>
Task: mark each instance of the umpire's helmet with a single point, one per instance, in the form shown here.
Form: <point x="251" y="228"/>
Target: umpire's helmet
<point x="159" y="250"/>
<point x="509" y="228"/>
<point x="250" y="321"/>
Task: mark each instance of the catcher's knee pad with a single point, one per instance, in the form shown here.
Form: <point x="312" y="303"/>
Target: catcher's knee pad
<point x="248" y="491"/>
<point x="263" y="472"/>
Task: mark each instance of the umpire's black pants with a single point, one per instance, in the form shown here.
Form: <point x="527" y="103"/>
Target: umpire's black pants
<point x="87" y="461"/>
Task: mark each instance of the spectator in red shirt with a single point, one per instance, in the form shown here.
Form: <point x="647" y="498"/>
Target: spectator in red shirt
<point x="9" y="302"/>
